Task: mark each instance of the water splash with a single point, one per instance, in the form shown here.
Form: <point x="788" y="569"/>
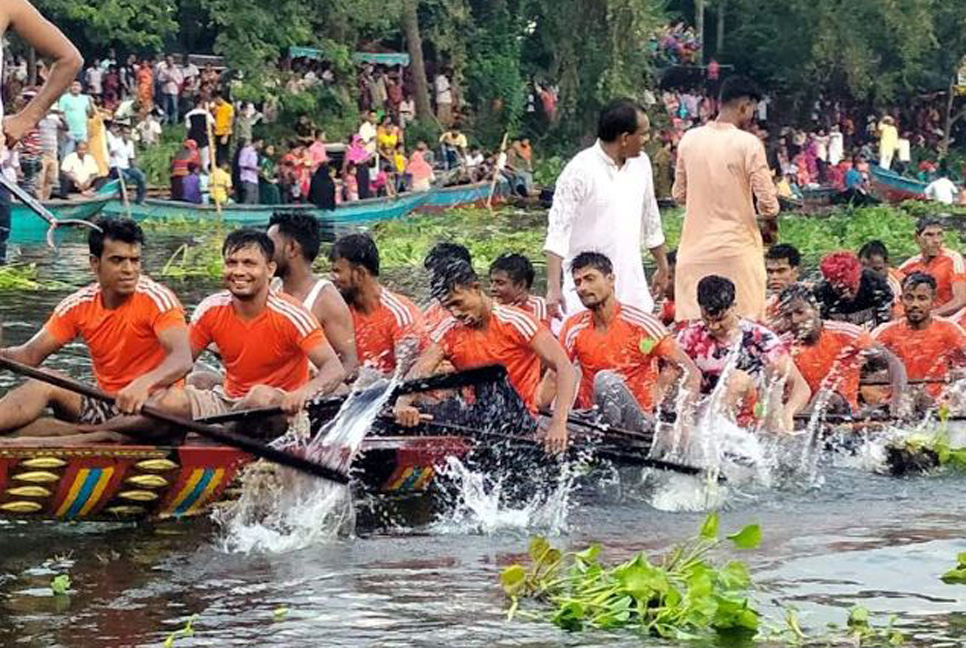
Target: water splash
<point x="480" y="503"/>
<point x="280" y="510"/>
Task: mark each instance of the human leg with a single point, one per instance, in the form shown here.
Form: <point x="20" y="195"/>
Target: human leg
<point x="616" y="403"/>
<point x="29" y="401"/>
<point x="139" y="180"/>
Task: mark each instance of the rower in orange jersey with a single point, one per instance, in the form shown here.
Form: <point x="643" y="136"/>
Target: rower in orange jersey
<point x="617" y="348"/>
<point x="874" y="256"/>
<point x="511" y="278"/>
<point x="930" y="347"/>
<point x="946" y="266"/>
<point x="480" y="332"/>
<point x="437" y="260"/>
<point x="135" y="332"/>
<point x="830" y="354"/>
<point x="389" y="328"/>
<point x="264" y="339"/>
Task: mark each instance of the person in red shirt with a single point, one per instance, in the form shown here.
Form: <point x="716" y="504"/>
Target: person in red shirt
<point x="830" y="354"/>
<point x="437" y="260"/>
<point x="930" y="347"/>
<point x="263" y="338"/>
<point x="135" y="332"/>
<point x="389" y="328"/>
<point x="618" y="348"/>
<point x="511" y="278"/>
<point x="946" y="266"/>
<point x="480" y="332"/>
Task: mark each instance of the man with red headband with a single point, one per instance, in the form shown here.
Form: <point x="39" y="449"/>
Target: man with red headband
<point x="851" y="293"/>
<point x="946" y="266"/>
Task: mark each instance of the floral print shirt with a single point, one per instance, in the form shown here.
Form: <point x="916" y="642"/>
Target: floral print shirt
<point x="756" y="348"/>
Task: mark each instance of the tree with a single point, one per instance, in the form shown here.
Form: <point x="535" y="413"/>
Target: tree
<point x="414" y="45"/>
<point x="133" y="24"/>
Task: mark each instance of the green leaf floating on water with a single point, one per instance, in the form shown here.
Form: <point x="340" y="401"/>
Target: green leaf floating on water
<point x="513" y="579"/>
<point x="709" y="529"/>
<point x="60" y="584"/>
<point x="956" y="576"/>
<point x="747" y="538"/>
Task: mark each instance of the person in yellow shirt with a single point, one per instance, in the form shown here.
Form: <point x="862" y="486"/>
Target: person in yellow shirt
<point x="219" y="186"/>
<point x="224" y="120"/>
<point x="888" y="141"/>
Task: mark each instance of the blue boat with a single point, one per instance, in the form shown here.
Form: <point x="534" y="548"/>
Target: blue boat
<point x="889" y="186"/>
<point x="28" y="227"/>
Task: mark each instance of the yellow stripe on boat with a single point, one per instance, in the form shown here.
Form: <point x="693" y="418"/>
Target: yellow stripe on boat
<point x="85" y="492"/>
<point x="196" y="491"/>
<point x="209" y="490"/>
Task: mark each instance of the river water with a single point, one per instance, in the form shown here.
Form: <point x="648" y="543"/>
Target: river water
<point x="848" y="538"/>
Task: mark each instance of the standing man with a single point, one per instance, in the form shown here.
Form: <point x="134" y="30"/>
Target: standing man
<point x="224" y="117"/>
<point x="604" y="202"/>
<point x="171" y="79"/>
<point x="444" y="100"/>
<point x="123" y="153"/>
<point x="77" y="109"/>
<point x="248" y="171"/>
<point x="721" y="171"/>
<point x="200" y="123"/>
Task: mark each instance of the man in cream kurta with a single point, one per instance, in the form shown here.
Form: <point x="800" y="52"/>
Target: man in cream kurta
<point x="604" y="202"/>
<point x="721" y="171"/>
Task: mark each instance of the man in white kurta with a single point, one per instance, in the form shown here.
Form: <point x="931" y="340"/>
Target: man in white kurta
<point x="604" y="202"/>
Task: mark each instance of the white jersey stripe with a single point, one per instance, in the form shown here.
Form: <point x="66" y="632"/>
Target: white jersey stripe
<point x="298" y="318"/>
<point x="222" y="298"/>
<point x="400" y="312"/>
<point x="518" y="320"/>
<point x="442" y="329"/>
<point x="308" y="319"/>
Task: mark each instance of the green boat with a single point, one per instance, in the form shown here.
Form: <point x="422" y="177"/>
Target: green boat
<point x="346" y="214"/>
<point x="28" y="227"/>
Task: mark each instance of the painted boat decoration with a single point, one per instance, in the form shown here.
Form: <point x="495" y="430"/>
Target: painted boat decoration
<point x="126" y="483"/>
<point x="891" y="187"/>
<point x="347" y="214"/>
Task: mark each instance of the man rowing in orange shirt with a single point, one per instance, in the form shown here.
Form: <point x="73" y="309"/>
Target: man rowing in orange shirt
<point x="830" y="354"/>
<point x="617" y="348"/>
<point x="946" y="266"/>
<point x="511" y="278"/>
<point x="480" y="333"/>
<point x="930" y="347"/>
<point x="263" y="338"/>
<point x="389" y="327"/>
<point x="135" y="332"/>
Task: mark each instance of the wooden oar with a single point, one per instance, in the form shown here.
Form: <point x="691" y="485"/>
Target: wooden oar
<point x="42" y="211"/>
<point x="214" y="433"/>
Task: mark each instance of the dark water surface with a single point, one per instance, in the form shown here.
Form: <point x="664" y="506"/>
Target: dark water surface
<point x="857" y="539"/>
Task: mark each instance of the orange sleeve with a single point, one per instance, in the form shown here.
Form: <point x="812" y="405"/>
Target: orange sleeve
<point x="63" y="326"/>
<point x="171" y="318"/>
<point x="311" y="341"/>
<point x="570" y="350"/>
<point x="665" y="347"/>
<point x="199" y="334"/>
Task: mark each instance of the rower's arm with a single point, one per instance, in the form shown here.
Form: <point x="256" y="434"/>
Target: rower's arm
<point x="897" y="375"/>
<point x="50" y="43"/>
<point x="426" y="365"/>
<point x="177" y="360"/>
<point x="692" y="375"/>
<point x="336" y="320"/>
<point x="799" y="394"/>
<point x="954" y="305"/>
<point x="34" y="351"/>
<point x="330" y="374"/>
<point x="553" y="356"/>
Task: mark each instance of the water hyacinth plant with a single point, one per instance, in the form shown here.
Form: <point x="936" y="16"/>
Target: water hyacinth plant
<point x="682" y="596"/>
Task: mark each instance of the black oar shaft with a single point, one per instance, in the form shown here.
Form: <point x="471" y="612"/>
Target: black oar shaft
<point x="214" y="433"/>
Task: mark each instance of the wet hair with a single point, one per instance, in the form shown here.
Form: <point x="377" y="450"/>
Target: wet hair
<point x="874" y="248"/>
<point x="716" y="294"/>
<point x="594" y="260"/>
<point x="616" y="118"/>
<point x="301" y="228"/>
<point x="739" y="87"/>
<point x="784" y="251"/>
<point x="245" y="237"/>
<point x="357" y="249"/>
<point x="516" y="266"/>
<point x="795" y="292"/>
<point x="925" y="222"/>
<point x="441" y="255"/>
<point x="918" y="279"/>
<point x="459" y="274"/>
<point x="124" y="230"/>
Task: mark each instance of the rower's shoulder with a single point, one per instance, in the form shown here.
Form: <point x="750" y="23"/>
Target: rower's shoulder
<point x="517" y="318"/>
<point x="642" y="319"/>
<point x="290" y="310"/>
<point x="887" y="328"/>
<point x="159" y="294"/>
<point x="211" y="303"/>
<point x="85" y="295"/>
<point x="403" y="309"/>
<point x="844" y="329"/>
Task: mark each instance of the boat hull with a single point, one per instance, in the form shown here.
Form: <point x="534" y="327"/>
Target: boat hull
<point x="891" y="187"/>
<point x="128" y="483"/>
<point x="27" y="227"/>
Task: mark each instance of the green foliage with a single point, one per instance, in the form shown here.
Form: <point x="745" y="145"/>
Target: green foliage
<point x="203" y="260"/>
<point x="863" y="633"/>
<point x="60" y="584"/>
<point x="547" y="170"/>
<point x="426" y="130"/>
<point x="682" y="595"/>
<point x="957" y="575"/>
<point x="155" y="161"/>
<point x="135" y="24"/>
<point x="24" y="277"/>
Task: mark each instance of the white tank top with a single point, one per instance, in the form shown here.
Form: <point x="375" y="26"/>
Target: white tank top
<point x="317" y="289"/>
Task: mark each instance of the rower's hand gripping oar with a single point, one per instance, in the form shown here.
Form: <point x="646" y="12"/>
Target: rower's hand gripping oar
<point x="42" y="211"/>
<point x="209" y="431"/>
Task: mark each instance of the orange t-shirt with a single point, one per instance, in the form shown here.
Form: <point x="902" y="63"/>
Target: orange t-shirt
<point x="946" y="268"/>
<point x="894" y="279"/>
<point x="434" y="314"/>
<point x="379" y="333"/>
<point x="269" y="350"/>
<point x="834" y="361"/>
<point x="506" y="340"/>
<point x="537" y="306"/>
<point x="631" y="346"/>
<point x="926" y="353"/>
<point x="123" y="342"/>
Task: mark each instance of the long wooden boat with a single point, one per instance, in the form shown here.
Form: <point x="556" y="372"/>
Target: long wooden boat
<point x="891" y="187"/>
<point x="27" y="227"/>
<point x="355" y="213"/>
<point x="128" y="483"/>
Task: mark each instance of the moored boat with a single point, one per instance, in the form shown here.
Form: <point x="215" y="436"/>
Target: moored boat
<point x="27" y="227"/>
<point x="891" y="187"/>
